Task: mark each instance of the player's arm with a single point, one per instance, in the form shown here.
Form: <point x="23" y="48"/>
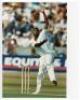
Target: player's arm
<point x="41" y="43"/>
<point x="45" y="16"/>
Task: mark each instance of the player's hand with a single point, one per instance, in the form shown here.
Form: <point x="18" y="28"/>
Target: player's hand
<point x="45" y="40"/>
<point x="41" y="43"/>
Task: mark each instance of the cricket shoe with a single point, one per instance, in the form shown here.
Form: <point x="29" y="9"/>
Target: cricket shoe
<point x="35" y="93"/>
<point x="55" y="83"/>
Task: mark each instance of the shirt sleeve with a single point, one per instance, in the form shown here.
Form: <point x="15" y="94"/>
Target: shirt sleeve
<point x="41" y="36"/>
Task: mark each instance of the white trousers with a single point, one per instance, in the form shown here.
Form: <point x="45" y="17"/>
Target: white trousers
<point x="45" y="66"/>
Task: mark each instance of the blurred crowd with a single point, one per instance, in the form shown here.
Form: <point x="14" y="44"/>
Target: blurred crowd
<point x="21" y="18"/>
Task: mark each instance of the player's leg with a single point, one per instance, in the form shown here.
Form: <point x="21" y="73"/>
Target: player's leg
<point x="39" y="81"/>
<point x="39" y="77"/>
<point x="51" y="74"/>
<point x="50" y="68"/>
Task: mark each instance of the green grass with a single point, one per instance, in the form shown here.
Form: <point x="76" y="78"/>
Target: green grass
<point x="12" y="84"/>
